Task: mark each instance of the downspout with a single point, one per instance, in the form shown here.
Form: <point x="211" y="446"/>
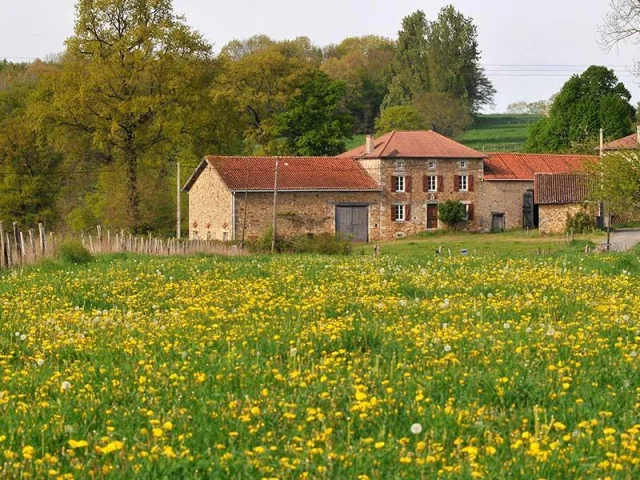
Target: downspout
<point x="233" y="216"/>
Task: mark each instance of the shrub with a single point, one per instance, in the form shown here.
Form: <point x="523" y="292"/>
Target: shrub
<point x="451" y="213"/>
<point x="72" y="251"/>
<point x="324" y="244"/>
<point x="581" y="222"/>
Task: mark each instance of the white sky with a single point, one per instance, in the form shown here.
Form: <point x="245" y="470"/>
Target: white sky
<point x="512" y="33"/>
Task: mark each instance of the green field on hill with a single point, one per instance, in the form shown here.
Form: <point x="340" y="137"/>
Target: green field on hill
<point x="489" y="133"/>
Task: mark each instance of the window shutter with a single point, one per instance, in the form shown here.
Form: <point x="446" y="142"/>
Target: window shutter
<point x="393" y="213"/>
<point x="425" y="184"/>
<point x="440" y="183"/>
<point x="456" y="183"/>
<point x="470" y="214"/>
<point x="407" y="213"/>
<point x="392" y="183"/>
<point x="470" y="183"/>
<point x="407" y="184"/>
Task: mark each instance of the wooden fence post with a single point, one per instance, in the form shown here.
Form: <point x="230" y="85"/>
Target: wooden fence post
<point x="3" y="253"/>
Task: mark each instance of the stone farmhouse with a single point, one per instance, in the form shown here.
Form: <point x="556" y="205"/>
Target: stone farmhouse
<point x="388" y="188"/>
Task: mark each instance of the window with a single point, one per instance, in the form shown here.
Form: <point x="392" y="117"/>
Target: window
<point x="399" y="213"/>
<point x="431" y="165"/>
<point x="463" y="164"/>
<point x="399" y="164"/>
<point x="468" y="211"/>
<point x="463" y="183"/>
<point x="432" y="183"/>
<point x="398" y="184"/>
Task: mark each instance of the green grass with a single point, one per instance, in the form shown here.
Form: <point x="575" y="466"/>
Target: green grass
<point x="509" y="244"/>
<point x="489" y="133"/>
<point x="499" y="132"/>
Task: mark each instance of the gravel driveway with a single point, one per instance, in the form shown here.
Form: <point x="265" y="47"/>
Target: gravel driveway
<point x="623" y="240"/>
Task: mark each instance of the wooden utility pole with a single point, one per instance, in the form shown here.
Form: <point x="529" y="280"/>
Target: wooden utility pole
<point x="606" y="211"/>
<point x="178" y="204"/>
<point x="244" y="213"/>
<point x="275" y="204"/>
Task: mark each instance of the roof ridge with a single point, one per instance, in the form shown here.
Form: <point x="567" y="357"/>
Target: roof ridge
<point x="542" y="154"/>
<point x="381" y="154"/>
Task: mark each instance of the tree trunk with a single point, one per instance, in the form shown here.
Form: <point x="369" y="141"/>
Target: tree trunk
<point x="133" y="194"/>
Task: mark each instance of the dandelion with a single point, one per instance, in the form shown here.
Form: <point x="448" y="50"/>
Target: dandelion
<point x="40" y="362"/>
<point x="65" y="385"/>
<point x="447" y="348"/>
<point x="416" y="429"/>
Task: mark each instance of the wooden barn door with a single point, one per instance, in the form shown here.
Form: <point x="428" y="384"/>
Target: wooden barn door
<point x="353" y="222"/>
<point x="432" y="216"/>
<point x="528" y="211"/>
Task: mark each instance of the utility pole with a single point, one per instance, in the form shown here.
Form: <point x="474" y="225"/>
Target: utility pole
<point x="275" y="204"/>
<point x="178" y="204"/>
<point x="605" y="211"/>
<point x="244" y="219"/>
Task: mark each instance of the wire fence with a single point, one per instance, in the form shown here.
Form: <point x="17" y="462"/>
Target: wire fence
<point x="19" y="248"/>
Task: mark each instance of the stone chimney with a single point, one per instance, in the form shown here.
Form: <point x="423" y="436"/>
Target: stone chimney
<point x="369" y="144"/>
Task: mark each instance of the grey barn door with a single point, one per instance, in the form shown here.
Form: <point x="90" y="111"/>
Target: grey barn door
<point x="353" y="222"/>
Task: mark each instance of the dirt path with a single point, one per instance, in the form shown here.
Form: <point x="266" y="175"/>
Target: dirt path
<point x="623" y="240"/>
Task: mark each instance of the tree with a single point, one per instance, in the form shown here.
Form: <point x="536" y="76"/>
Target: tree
<point x="442" y="56"/>
<point x="443" y="113"/>
<point x="315" y="121"/>
<point x="452" y="213"/>
<point x="587" y="102"/>
<point x="454" y="60"/>
<point x="364" y="64"/>
<point x="257" y="87"/>
<point x="617" y="182"/>
<point x="410" y="66"/>
<point x="29" y="181"/>
<point x="401" y="117"/>
<point x="130" y="78"/>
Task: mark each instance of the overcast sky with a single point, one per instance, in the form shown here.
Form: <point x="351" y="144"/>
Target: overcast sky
<point x="530" y="48"/>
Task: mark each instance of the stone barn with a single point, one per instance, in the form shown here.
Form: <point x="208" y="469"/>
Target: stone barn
<point x="507" y="199"/>
<point x="232" y="198"/>
<point x="561" y="196"/>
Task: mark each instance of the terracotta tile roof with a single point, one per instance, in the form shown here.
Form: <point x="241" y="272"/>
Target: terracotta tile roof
<point x="294" y="173"/>
<point x="523" y="166"/>
<point x="416" y="144"/>
<point x="629" y="142"/>
<point x="561" y="188"/>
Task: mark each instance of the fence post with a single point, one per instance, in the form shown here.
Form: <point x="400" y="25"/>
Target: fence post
<point x="3" y="258"/>
<point x="43" y="247"/>
<point x="16" y="238"/>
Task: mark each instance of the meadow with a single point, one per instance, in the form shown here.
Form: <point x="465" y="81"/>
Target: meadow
<point x="361" y="367"/>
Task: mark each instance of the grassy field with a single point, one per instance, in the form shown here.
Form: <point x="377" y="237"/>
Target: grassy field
<point x="490" y="133"/>
<point x="517" y="242"/>
<point x="398" y="366"/>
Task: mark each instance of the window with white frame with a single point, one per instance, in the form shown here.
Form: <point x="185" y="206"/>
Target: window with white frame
<point x="432" y="183"/>
<point x="464" y="183"/>
<point x="399" y="164"/>
<point x="399" y="212"/>
<point x="466" y="210"/>
<point x="399" y="184"/>
<point x="431" y="165"/>
<point x="463" y="164"/>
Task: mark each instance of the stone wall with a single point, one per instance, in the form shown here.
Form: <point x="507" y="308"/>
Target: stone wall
<point x="502" y="197"/>
<point x="301" y="212"/>
<point x="553" y="218"/>
<point x="210" y="208"/>
<point x="417" y="199"/>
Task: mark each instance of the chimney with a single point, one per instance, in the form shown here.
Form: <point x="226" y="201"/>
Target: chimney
<point x="368" y="147"/>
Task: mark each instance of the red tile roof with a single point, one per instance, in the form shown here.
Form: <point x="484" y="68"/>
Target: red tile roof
<point x="629" y="142"/>
<point x="561" y="188"/>
<point x="415" y="144"/>
<point x="294" y="173"/>
<point x="523" y="166"/>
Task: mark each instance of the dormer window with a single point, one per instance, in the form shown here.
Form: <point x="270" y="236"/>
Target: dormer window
<point x="431" y="165"/>
<point x="463" y="164"/>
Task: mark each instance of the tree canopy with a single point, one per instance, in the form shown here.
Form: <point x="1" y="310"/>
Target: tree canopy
<point x="587" y="102"/>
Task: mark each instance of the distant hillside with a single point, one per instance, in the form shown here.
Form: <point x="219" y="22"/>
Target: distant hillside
<point x="490" y="133"/>
<point x="499" y="133"/>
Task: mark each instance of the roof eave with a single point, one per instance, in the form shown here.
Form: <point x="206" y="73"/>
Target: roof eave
<point x="195" y="175"/>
